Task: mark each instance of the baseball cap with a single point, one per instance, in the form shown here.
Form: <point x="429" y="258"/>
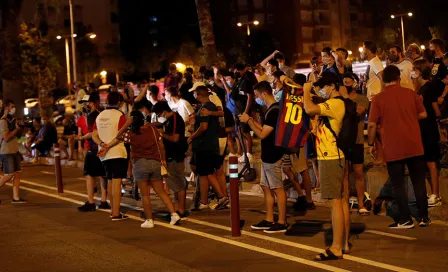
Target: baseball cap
<point x="327" y="78"/>
<point x="93" y="97"/>
<point x="195" y="85"/>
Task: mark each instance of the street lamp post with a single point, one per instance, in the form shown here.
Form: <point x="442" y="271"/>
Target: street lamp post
<point x="402" y="24"/>
<point x="72" y="32"/>
<point x="239" y="24"/>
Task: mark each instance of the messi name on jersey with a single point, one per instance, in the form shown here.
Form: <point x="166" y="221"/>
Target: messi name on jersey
<point x="293" y="123"/>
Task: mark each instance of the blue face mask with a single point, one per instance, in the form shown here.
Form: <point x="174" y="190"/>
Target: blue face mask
<point x="211" y="82"/>
<point x="229" y="84"/>
<point x="323" y="93"/>
<point x="260" y="101"/>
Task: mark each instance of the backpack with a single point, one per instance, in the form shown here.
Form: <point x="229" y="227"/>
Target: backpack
<point x="349" y="130"/>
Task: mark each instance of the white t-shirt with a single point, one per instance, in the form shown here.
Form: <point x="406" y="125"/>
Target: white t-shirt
<point x="405" y="68"/>
<point x="183" y="108"/>
<point x="108" y="123"/>
<point x="374" y="83"/>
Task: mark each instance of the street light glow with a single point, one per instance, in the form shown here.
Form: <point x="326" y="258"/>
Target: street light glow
<point x="179" y="65"/>
<point x="239" y="24"/>
<point x="361" y="49"/>
<point x="58" y="37"/>
<point x="92" y="36"/>
<point x="75" y="35"/>
<point x="392" y="16"/>
<point x="256" y="22"/>
<point x="350" y="52"/>
<point x="410" y="14"/>
<point x="103" y="73"/>
<point x="422" y="47"/>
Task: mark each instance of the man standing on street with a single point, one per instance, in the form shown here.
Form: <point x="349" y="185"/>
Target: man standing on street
<point x="397" y="59"/>
<point x="93" y="168"/>
<point x="9" y="150"/>
<point x="271" y="159"/>
<point x="106" y="128"/>
<point x="402" y="143"/>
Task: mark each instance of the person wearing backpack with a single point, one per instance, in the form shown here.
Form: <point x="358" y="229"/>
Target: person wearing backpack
<point x="331" y="159"/>
<point x="355" y="155"/>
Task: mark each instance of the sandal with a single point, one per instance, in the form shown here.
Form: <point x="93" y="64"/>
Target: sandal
<point x="347" y="251"/>
<point x="329" y="257"/>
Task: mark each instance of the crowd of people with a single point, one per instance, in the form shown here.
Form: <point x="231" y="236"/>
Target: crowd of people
<point x="319" y="118"/>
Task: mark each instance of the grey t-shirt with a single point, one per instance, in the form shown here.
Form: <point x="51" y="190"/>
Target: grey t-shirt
<point x="362" y="101"/>
<point x="10" y="147"/>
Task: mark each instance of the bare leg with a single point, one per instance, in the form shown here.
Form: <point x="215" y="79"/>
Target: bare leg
<point x="215" y="184"/>
<point x="306" y="180"/>
<point x="281" y="204"/>
<point x="203" y="183"/>
<point x="346" y="211"/>
<point x="16" y="186"/>
<point x="269" y="203"/>
<point x="90" y="184"/>
<point x="293" y="178"/>
<point x="158" y="188"/>
<point x="109" y="189"/>
<point x="5" y="179"/>
<point x="181" y="200"/>
<point x="337" y="218"/>
<point x="231" y="144"/>
<point x="71" y="144"/>
<point x="248" y="142"/>
<point x="360" y="185"/>
<point x="434" y="178"/>
<point x="316" y="171"/>
<point x="222" y="180"/>
<point x="103" y="184"/>
<point x="146" y="198"/>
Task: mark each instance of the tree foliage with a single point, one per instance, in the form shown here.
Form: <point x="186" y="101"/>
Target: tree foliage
<point x="39" y="65"/>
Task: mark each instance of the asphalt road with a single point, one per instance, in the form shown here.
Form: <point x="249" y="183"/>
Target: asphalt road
<point x="49" y="234"/>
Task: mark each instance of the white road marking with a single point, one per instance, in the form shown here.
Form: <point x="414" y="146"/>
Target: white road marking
<point x="391" y="235"/>
<point x="211" y="237"/>
<point x="81" y="179"/>
<point x="255" y="235"/>
<point x="47" y="172"/>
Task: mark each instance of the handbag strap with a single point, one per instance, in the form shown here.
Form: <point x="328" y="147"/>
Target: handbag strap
<point x="157" y="143"/>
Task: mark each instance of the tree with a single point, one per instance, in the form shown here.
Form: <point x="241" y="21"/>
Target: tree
<point x="39" y="66"/>
<point x="10" y="46"/>
<point x="206" y="28"/>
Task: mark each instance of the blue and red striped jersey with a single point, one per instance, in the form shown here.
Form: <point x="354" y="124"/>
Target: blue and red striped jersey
<point x="293" y="124"/>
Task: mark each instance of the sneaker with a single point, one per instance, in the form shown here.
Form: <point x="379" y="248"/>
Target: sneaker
<point x="263" y="225"/>
<point x="19" y="201"/>
<point x="203" y="206"/>
<point x="277" y="228"/>
<point x="434" y="201"/>
<point x="243" y="158"/>
<point x="183" y="215"/>
<point x="175" y="219"/>
<point x="87" y="207"/>
<point x="406" y="225"/>
<point x="148" y="224"/>
<point x="300" y="204"/>
<point x="310" y="206"/>
<point x="424" y="222"/>
<point x="35" y="160"/>
<point x="119" y="217"/>
<point x="104" y="206"/>
<point x="222" y="203"/>
<point x="363" y="212"/>
<point x="213" y="204"/>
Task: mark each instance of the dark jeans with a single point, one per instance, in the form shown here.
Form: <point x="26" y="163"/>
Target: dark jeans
<point x="416" y="167"/>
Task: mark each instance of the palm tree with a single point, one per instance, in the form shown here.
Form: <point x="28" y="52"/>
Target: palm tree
<point x="10" y="46"/>
<point x="206" y="28"/>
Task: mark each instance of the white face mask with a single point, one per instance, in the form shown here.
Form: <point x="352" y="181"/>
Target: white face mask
<point x="281" y="66"/>
<point x="195" y="95"/>
<point x="161" y="119"/>
<point x="414" y="75"/>
<point x="12" y="111"/>
<point x="44" y="122"/>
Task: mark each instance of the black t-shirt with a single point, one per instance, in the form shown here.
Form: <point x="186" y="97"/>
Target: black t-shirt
<point x="430" y="92"/>
<point x="228" y="122"/>
<point x="70" y="129"/>
<point x="220" y="92"/>
<point x="186" y="94"/>
<point x="437" y="67"/>
<point x="175" y="151"/>
<point x="242" y="88"/>
<point x="91" y="119"/>
<point x="270" y="153"/>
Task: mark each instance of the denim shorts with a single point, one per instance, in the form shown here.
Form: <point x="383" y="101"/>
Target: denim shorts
<point x="146" y="169"/>
<point x="176" y="180"/>
<point x="11" y="163"/>
<point x="271" y="175"/>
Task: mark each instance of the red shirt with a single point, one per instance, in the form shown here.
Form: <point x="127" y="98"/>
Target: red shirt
<point x="82" y="124"/>
<point x="396" y="109"/>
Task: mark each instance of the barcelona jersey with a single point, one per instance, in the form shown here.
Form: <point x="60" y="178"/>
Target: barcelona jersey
<point x="293" y="124"/>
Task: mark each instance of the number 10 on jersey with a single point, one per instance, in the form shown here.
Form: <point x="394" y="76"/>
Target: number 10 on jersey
<point x="293" y="113"/>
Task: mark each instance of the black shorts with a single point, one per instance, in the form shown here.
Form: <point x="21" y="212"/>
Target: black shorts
<point x="93" y="166"/>
<point x="356" y="154"/>
<point x="205" y="163"/>
<point x="220" y="161"/>
<point x="116" y="168"/>
<point x="311" y="152"/>
<point x="432" y="151"/>
<point x="11" y="163"/>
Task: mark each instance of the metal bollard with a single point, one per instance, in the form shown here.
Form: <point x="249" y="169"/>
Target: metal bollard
<point x="234" y="197"/>
<point x="58" y="168"/>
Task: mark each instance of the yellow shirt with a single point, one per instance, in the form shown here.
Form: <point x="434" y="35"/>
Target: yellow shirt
<point x="326" y="146"/>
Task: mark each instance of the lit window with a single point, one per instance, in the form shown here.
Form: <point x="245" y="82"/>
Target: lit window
<point x="155" y="43"/>
<point x="153" y="18"/>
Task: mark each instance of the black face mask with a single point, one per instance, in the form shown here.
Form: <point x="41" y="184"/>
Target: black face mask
<point x="426" y="72"/>
<point x="393" y="58"/>
<point x="237" y="75"/>
<point x="349" y="89"/>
